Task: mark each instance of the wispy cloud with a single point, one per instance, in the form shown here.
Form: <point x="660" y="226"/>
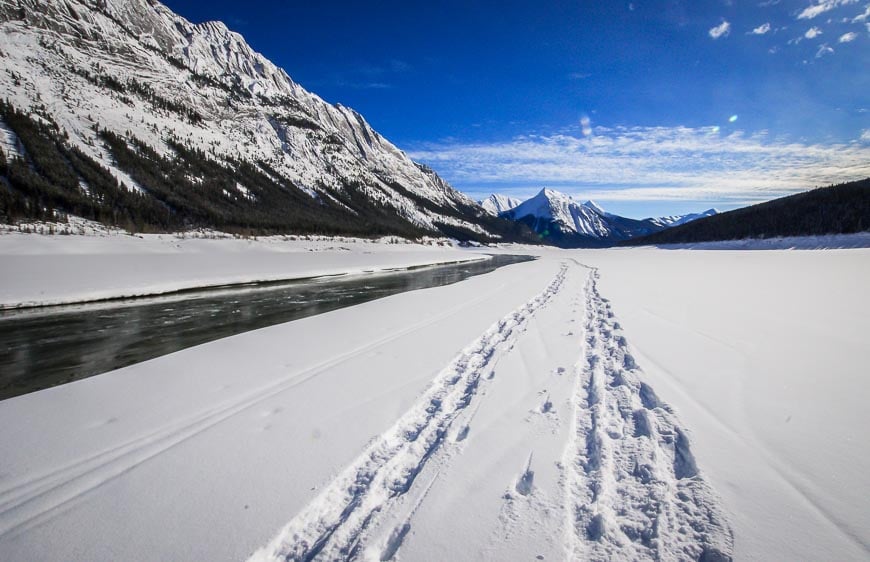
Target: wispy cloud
<point x="369" y="85"/>
<point x="760" y="30"/>
<point x="848" y="37"/>
<point x="366" y="76"/>
<point x="824" y="49"/>
<point x="650" y="163"/>
<point x="812" y="33"/>
<point x="822" y="6"/>
<point x="392" y="66"/>
<point x="721" y="30"/>
<point x="864" y="16"/>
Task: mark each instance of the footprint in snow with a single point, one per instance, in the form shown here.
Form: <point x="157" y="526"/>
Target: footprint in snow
<point x="272" y="412"/>
<point x="547" y="406"/>
<point x="526" y="481"/>
<point x="462" y="434"/>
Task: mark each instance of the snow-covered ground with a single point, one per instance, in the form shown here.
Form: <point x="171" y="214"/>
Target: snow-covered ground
<point x="821" y="242"/>
<point x="627" y="404"/>
<point x="60" y="269"/>
<point x="764" y="355"/>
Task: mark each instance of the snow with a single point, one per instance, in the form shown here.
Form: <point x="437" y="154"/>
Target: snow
<point x="562" y="209"/>
<point x="61" y="269"/>
<point x="9" y="142"/>
<point x="496" y="204"/>
<point x="595" y="207"/>
<point x="165" y="458"/>
<point x="135" y="40"/>
<point x="677" y="220"/>
<point x="593" y="404"/>
<point x="587" y="218"/>
<point x="820" y="242"/>
<point x="763" y="354"/>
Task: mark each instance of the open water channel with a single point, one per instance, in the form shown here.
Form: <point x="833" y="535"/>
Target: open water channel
<point x="44" y="347"/>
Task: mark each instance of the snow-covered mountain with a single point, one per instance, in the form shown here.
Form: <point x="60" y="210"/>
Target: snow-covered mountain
<point x="190" y="115"/>
<point x="560" y="219"/>
<point x="677" y="220"/>
<point x="496" y="204"/>
<point x="551" y="207"/>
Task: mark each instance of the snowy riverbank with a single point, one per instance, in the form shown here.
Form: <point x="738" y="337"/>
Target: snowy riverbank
<point x="61" y="269"/>
<point x="644" y="408"/>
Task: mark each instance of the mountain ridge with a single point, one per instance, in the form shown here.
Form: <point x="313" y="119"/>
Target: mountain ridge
<point x="837" y="209"/>
<point x="135" y="72"/>
<point x="496" y="204"/>
<point x="561" y="220"/>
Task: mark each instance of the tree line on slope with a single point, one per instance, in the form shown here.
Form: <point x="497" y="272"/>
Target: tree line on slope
<point x="836" y="209"/>
<point x="54" y="179"/>
<point x="188" y="189"/>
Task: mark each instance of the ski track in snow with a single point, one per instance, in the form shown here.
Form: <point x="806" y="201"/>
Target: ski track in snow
<point x="632" y="488"/>
<point x="334" y="525"/>
<point x="31" y="501"/>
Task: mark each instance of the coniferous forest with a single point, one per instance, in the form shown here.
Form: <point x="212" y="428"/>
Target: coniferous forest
<point x="54" y="179"/>
<point x="837" y="209"/>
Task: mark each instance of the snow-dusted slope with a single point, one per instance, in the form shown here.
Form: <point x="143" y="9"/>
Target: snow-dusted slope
<point x="552" y="206"/>
<point x="84" y="64"/>
<point x="677" y="220"/>
<point x="496" y="204"/>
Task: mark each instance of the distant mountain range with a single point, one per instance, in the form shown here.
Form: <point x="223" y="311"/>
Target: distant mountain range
<point x="124" y="112"/>
<point x="560" y="220"/>
<point x="838" y="209"/>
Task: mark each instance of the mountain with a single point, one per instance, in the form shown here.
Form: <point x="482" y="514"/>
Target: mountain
<point x="677" y="220"/>
<point x="496" y="204"/>
<point x="562" y="221"/>
<point x="125" y="112"/>
<point x="837" y="209"/>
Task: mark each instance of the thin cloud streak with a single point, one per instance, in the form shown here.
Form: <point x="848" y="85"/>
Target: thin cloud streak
<point x="721" y="30"/>
<point x="651" y="163"/>
<point x="821" y="7"/>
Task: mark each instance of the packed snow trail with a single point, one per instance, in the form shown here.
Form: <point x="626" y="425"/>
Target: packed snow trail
<point x="634" y="490"/>
<point x="330" y="527"/>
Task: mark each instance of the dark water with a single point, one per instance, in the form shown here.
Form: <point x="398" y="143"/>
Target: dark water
<point x="45" y="347"/>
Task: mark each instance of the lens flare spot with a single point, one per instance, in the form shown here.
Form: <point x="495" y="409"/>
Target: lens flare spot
<point x="732" y="119"/>
<point x="714" y="129"/>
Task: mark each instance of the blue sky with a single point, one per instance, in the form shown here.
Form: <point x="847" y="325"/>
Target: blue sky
<point x="648" y="107"/>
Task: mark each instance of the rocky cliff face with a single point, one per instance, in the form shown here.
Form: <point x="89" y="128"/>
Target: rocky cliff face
<point x="91" y="69"/>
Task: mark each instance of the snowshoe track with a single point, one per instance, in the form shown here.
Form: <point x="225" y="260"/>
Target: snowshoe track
<point x="633" y="490"/>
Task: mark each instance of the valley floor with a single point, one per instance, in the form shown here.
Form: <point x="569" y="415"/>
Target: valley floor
<point x="613" y="404"/>
<point x="43" y="270"/>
